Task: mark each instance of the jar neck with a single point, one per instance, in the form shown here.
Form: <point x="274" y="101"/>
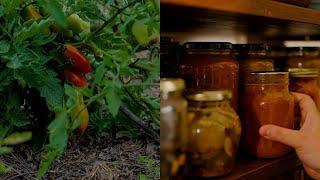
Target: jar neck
<point x="198" y="105"/>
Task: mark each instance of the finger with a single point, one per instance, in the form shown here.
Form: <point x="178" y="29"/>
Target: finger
<point x="306" y="103"/>
<point x="286" y="136"/>
<point x="312" y="172"/>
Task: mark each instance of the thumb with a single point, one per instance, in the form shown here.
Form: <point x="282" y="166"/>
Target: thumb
<point x="286" y="136"/>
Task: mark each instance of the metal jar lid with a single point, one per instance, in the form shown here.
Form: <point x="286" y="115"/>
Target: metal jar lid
<point x="207" y="45"/>
<point x="210" y="96"/>
<point x="171" y="84"/>
<point x="303" y="72"/>
<point x="267" y="77"/>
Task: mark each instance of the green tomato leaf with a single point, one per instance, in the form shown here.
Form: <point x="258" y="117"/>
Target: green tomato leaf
<point x="140" y="32"/>
<point x="55" y="9"/>
<point x="46" y="162"/>
<point x="17" y="138"/>
<point x="99" y="74"/>
<point x="5" y="150"/>
<point x="114" y="101"/>
<point x="58" y="134"/>
<point x="4" y="46"/>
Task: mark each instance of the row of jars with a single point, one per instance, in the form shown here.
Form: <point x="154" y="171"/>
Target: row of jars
<point x="212" y="128"/>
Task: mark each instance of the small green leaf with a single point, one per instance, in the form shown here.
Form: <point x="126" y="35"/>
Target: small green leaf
<point x="99" y="74"/>
<point x="5" y="150"/>
<point x="55" y="9"/>
<point x="4" y="47"/>
<point x="114" y="101"/>
<point x="140" y="32"/>
<point x="58" y="134"/>
<point x="17" y="138"/>
<point x="4" y="168"/>
<point x="46" y="162"/>
<point x="1" y="11"/>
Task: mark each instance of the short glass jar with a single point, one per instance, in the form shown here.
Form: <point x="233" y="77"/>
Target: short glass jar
<point x="208" y="66"/>
<point x="304" y="80"/>
<point x="173" y="127"/>
<point x="265" y="99"/>
<point x="214" y="134"/>
<point x="253" y="58"/>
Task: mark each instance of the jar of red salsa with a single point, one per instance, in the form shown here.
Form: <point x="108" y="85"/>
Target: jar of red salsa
<point x="253" y="58"/>
<point x="173" y="127"/>
<point x="265" y="100"/>
<point x="210" y="66"/>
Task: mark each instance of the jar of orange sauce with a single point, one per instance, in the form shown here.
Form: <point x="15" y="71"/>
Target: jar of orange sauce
<point x="208" y="66"/>
<point x="265" y="100"/>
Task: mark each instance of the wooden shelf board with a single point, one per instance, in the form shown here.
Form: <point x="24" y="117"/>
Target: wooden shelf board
<point x="264" y="8"/>
<point x="265" y="18"/>
<point x="251" y="168"/>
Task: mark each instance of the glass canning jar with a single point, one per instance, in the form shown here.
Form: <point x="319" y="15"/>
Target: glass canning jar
<point x="265" y="99"/>
<point x="173" y="127"/>
<point x="214" y="133"/>
<point x="208" y="66"/>
<point x="169" y="58"/>
<point x="304" y="80"/>
<point x="253" y="58"/>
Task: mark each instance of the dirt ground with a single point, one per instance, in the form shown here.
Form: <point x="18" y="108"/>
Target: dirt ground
<point x="90" y="157"/>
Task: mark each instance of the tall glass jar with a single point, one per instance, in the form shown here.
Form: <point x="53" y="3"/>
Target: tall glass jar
<point x="279" y="54"/>
<point x="169" y="58"/>
<point x="173" y="127"/>
<point x="265" y="100"/>
<point x="253" y="58"/>
<point x="214" y="133"/>
<point x="210" y="66"/>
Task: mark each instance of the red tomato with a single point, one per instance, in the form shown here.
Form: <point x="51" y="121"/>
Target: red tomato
<point x="80" y="61"/>
<point x="75" y="78"/>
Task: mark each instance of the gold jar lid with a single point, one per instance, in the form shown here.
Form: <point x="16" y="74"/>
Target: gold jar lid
<point x="210" y="96"/>
<point x="303" y="72"/>
<point x="172" y="84"/>
<point x="267" y="77"/>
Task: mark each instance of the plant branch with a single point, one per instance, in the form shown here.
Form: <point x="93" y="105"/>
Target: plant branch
<point x="152" y="133"/>
<point x="119" y="11"/>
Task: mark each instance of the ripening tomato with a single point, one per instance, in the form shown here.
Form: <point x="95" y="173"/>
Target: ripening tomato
<point x="80" y="61"/>
<point x="81" y="111"/>
<point x="75" y="78"/>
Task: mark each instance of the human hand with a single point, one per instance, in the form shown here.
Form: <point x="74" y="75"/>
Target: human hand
<point x="305" y="141"/>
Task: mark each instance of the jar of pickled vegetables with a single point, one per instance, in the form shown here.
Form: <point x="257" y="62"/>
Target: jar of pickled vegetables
<point x="210" y="66"/>
<point x="265" y="100"/>
<point x="169" y="58"/>
<point x="253" y="58"/>
<point x="173" y="127"/>
<point x="214" y="133"/>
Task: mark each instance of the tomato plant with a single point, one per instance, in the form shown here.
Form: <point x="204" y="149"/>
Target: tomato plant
<point x="112" y="67"/>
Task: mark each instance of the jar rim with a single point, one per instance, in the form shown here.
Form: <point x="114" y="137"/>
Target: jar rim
<point x="207" y="96"/>
<point x="303" y="72"/>
<point x="267" y="77"/>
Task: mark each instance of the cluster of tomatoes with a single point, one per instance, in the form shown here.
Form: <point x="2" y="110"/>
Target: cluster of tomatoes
<point x="80" y="66"/>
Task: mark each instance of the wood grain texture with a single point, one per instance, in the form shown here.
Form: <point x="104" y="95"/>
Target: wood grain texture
<point x="265" y="8"/>
<point x="262" y="169"/>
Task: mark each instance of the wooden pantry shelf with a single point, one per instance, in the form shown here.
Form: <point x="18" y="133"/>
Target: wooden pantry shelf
<point x="265" y="18"/>
<point x="287" y="167"/>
